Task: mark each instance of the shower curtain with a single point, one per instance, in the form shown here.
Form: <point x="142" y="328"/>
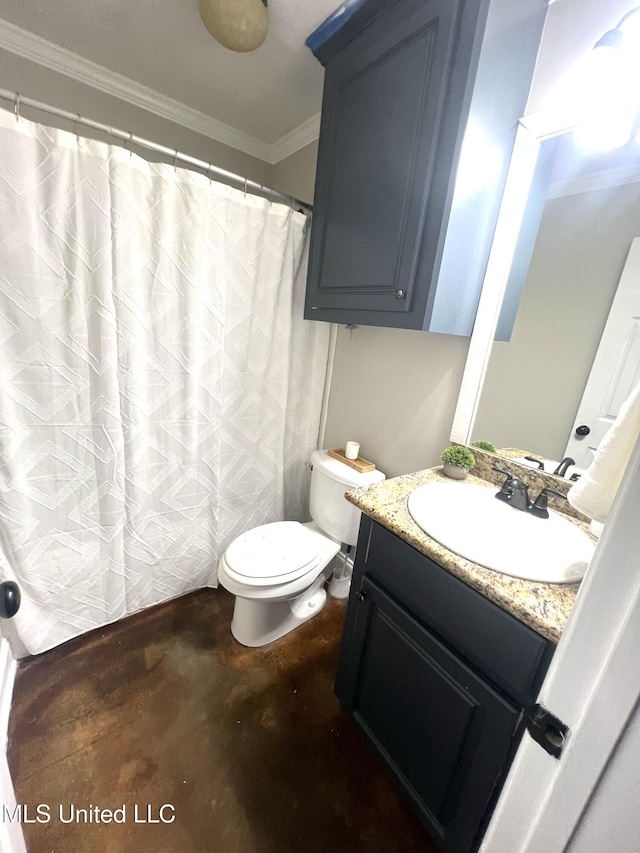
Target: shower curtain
<point x="159" y="389"/>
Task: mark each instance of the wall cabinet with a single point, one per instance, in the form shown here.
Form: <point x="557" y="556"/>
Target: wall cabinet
<point x="436" y="677"/>
<point x="395" y="240"/>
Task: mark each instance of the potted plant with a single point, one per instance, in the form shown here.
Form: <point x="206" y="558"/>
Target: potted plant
<point x="484" y="445"/>
<point x="457" y="461"/>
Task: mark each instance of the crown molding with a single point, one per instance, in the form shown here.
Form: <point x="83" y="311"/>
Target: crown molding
<point x="602" y="180"/>
<point x="59" y="59"/>
<point x="300" y="136"/>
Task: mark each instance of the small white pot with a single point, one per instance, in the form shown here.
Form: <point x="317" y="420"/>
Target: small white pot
<point x="454" y="471"/>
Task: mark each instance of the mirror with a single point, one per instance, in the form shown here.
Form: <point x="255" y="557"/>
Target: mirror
<point x="563" y="245"/>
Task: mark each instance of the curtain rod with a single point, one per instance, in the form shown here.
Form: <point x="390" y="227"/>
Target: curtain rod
<point x="132" y="139"/>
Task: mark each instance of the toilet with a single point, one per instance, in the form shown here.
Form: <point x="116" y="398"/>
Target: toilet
<point x="277" y="571"/>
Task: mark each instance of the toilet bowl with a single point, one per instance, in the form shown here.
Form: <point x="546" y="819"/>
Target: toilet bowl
<point x="277" y="571"/>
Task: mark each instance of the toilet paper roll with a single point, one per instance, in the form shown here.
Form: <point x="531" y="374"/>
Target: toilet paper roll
<point x="352" y="450"/>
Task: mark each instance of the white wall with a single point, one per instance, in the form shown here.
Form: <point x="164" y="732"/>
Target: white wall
<point x="295" y="175"/>
<point x="395" y="392"/>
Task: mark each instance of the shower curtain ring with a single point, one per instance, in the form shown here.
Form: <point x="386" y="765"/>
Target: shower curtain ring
<point x="175" y="161"/>
<point x="271" y="196"/>
<point x="245" y="188"/>
<point x="130" y="143"/>
<point x="75" y="124"/>
<point x="16" y="107"/>
<point x="209" y="174"/>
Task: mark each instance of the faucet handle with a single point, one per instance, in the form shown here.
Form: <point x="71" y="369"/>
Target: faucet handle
<point x="539" y="506"/>
<point x="511" y="482"/>
<point x="538" y="462"/>
<point x="507" y="474"/>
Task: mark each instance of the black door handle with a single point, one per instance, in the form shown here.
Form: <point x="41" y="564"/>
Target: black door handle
<point x="9" y="599"/>
<point x="583" y="430"/>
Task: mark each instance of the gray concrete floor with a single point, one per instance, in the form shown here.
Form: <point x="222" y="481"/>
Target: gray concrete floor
<point x="248" y="745"/>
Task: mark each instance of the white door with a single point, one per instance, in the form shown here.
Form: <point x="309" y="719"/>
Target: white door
<point x="587" y="800"/>
<point x="616" y="367"/>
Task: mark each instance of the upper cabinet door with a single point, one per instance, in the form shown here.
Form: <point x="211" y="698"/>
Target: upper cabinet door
<point x="381" y="117"/>
<point x="402" y="78"/>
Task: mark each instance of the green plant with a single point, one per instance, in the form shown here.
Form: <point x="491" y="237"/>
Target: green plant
<point x="461" y="457"/>
<point x="484" y="445"/>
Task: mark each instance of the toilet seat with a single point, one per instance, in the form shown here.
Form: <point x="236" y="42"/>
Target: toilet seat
<point x="276" y="553"/>
<point x="273" y="592"/>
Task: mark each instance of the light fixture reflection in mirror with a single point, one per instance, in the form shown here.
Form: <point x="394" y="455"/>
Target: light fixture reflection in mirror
<point x="600" y="94"/>
<point x="239" y="25"/>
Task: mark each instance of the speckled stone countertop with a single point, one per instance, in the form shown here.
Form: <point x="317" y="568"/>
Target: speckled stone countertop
<point x="542" y="606"/>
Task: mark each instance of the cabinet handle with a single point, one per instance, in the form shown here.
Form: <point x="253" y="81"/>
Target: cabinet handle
<point x="361" y="595"/>
<point x="399" y="294"/>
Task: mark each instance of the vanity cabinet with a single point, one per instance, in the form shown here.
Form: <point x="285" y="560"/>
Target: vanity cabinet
<point x="395" y="241"/>
<point x="436" y="677"/>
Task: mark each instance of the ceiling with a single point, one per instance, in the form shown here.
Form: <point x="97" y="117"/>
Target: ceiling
<point x="261" y="97"/>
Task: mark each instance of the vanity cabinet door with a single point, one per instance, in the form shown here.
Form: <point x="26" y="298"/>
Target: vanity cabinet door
<point x="444" y="733"/>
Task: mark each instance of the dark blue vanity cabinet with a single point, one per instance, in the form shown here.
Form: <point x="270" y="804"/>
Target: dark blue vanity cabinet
<point x="436" y="677"/>
<point x="395" y="242"/>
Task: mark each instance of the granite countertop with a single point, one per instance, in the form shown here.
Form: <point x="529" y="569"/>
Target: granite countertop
<point x="544" y="607"/>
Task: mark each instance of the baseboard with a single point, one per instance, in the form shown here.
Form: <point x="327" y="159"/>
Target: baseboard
<point x="11" y="837"/>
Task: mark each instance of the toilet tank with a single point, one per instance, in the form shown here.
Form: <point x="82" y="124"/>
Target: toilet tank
<point x="330" y="510"/>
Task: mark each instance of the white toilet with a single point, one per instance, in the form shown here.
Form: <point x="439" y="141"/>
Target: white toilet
<point x="277" y="571"/>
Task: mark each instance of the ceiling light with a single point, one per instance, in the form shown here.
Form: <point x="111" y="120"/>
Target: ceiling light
<point x="239" y="25"/>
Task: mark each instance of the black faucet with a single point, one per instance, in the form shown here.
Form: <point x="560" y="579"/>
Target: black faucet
<point x="561" y="470"/>
<point x="515" y="493"/>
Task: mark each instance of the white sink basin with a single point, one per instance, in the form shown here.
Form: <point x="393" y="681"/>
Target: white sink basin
<point x="469" y="521"/>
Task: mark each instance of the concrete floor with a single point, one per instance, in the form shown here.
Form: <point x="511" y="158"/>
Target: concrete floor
<point x="248" y="745"/>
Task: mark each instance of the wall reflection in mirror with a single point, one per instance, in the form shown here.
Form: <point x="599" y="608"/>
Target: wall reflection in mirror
<point x="567" y="350"/>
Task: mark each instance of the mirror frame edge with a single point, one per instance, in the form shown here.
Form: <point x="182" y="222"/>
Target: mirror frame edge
<point x="532" y="131"/>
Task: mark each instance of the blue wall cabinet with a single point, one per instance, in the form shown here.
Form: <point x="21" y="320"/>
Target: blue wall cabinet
<point x="402" y="224"/>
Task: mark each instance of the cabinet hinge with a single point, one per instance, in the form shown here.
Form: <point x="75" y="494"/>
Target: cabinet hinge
<point x="546" y="729"/>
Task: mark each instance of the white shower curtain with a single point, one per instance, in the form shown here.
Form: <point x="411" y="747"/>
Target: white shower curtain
<point x="159" y="389"/>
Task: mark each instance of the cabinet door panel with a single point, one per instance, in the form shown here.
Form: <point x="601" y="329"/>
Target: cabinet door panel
<point x="413" y="707"/>
<point x="381" y="115"/>
<point x="443" y="731"/>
